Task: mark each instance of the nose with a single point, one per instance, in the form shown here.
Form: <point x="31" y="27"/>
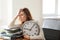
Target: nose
<point x="22" y="16"/>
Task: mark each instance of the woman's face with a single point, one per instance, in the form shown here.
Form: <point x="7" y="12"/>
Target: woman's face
<point x="22" y="16"/>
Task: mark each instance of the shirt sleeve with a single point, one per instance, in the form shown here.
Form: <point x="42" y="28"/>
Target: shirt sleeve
<point x="12" y="22"/>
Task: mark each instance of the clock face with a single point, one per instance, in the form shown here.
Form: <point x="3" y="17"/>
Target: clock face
<point x="31" y="28"/>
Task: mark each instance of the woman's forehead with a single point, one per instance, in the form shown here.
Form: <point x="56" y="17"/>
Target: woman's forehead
<point x="22" y="13"/>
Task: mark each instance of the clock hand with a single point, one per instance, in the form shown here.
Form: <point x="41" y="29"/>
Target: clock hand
<point x="32" y="27"/>
<point x="26" y="28"/>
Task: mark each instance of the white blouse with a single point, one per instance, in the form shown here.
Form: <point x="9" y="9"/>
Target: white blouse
<point x="33" y="29"/>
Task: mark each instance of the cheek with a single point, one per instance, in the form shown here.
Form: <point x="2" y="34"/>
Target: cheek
<point x="23" y="17"/>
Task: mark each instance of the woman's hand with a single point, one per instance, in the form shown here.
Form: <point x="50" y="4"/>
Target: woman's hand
<point x="26" y="37"/>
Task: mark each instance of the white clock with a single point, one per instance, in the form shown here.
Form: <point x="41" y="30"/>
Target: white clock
<point x="31" y="28"/>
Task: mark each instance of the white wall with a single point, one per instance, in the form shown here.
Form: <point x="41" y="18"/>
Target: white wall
<point x="4" y="12"/>
<point x="9" y="8"/>
<point x="0" y="9"/>
<point x="35" y="7"/>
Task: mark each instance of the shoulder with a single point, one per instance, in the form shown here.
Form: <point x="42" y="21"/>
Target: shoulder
<point x="32" y="21"/>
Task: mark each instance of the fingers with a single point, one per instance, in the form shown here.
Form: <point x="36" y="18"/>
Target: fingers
<point x="26" y="36"/>
<point x="20" y="11"/>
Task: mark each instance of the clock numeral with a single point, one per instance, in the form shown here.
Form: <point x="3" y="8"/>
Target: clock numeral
<point x="36" y="30"/>
<point x="36" y="27"/>
<point x="29" y="35"/>
<point x="32" y="35"/>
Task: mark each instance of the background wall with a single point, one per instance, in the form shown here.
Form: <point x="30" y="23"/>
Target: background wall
<point x="10" y="8"/>
<point x="35" y="7"/>
<point x="4" y="12"/>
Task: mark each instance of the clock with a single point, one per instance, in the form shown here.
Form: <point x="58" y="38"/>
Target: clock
<point x="31" y="28"/>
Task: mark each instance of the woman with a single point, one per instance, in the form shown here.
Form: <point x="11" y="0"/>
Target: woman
<point x="24" y="15"/>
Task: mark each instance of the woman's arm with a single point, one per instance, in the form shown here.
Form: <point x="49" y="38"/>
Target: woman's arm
<point x="13" y="21"/>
